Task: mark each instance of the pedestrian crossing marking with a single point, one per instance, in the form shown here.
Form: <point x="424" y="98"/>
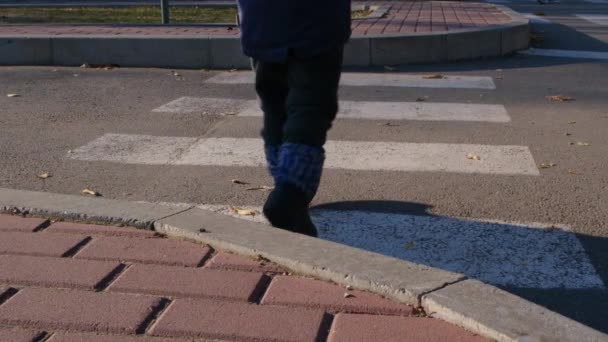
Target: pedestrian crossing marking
<point x="535" y="19"/>
<point x="421" y="111"/>
<point x="566" y="53"/>
<point x="347" y="155"/>
<point x="379" y="80"/>
<point x="595" y="18"/>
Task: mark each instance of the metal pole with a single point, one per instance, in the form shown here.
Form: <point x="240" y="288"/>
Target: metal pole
<point x="164" y="5"/>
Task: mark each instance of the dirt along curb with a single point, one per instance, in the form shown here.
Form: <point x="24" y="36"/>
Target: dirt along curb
<point x="215" y="47"/>
<point x="476" y="306"/>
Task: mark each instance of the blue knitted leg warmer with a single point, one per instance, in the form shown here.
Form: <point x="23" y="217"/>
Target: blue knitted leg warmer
<point x="301" y="166"/>
<point x="272" y="160"/>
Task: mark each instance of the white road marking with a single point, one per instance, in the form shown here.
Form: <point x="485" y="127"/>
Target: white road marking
<point x="595" y="18"/>
<point x="348" y="155"/>
<point x="423" y="111"/>
<point x="379" y="80"/>
<point x="566" y="53"/>
<point x="210" y="106"/>
<point x="500" y="253"/>
<point x="133" y="149"/>
<point x="535" y="19"/>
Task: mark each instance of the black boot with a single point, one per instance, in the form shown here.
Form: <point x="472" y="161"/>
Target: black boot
<point x="287" y="208"/>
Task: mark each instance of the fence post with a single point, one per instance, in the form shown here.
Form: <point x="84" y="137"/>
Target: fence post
<point x="164" y="5"/>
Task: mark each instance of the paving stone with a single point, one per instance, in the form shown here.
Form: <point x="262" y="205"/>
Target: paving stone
<point x="20" y="224"/>
<point x="238" y="321"/>
<point x="145" y="250"/>
<point x="89" y="337"/>
<point x="92" y="229"/>
<point x="37" y="243"/>
<point x="77" y="310"/>
<point x="18" y="335"/>
<point x="296" y="291"/>
<point x="53" y="272"/>
<point x="229" y="261"/>
<point x="190" y="282"/>
<point x="354" y="328"/>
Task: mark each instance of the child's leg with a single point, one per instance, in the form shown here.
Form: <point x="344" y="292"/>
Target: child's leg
<point x="272" y="90"/>
<point x="312" y="104"/>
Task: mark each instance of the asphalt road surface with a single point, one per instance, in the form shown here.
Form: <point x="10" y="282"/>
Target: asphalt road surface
<point x="416" y="167"/>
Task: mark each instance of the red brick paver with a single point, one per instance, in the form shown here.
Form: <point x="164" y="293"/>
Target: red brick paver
<point x="238" y="321"/>
<point x="37" y="243"/>
<point x="295" y="291"/>
<point x="89" y="337"/>
<point x="364" y="328"/>
<point x="53" y="272"/>
<point x="20" y="224"/>
<point x="228" y="261"/>
<point x="189" y="282"/>
<point x="403" y="17"/>
<point x="41" y="294"/>
<point x="77" y="310"/>
<point x="92" y="229"/>
<point x="145" y="250"/>
<point x="18" y="335"/>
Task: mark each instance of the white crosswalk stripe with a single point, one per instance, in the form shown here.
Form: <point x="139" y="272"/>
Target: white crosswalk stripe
<point x="421" y="111"/>
<point x="348" y="155"/>
<point x="535" y="19"/>
<point x="380" y="80"/>
<point x="597" y="19"/>
<point x="566" y="53"/>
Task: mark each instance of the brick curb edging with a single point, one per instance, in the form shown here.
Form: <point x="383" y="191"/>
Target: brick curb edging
<point x="479" y="307"/>
<point x="217" y="52"/>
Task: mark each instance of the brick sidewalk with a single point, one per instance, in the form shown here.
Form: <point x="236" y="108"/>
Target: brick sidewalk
<point x="74" y="282"/>
<point x="403" y="17"/>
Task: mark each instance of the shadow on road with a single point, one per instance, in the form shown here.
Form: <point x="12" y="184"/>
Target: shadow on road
<point x="548" y="265"/>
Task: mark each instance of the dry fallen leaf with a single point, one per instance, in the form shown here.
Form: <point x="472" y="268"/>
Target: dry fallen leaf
<point x="410" y="245"/>
<point x="261" y="258"/>
<point x="13" y="95"/>
<point x="472" y="156"/>
<point x="390" y="68"/>
<point x="560" y="98"/>
<point x="44" y="175"/>
<point x="91" y="192"/>
<point x="536" y="38"/>
<point x="388" y="124"/>
<point x="434" y="77"/>
<point x="582" y="143"/>
<point x="567" y="134"/>
<point x="348" y="295"/>
<point x="547" y="165"/>
<point x="572" y="172"/>
<point x="244" y="212"/>
<point x="572" y="122"/>
<point x="261" y="188"/>
<point x="99" y="66"/>
<point x="236" y="181"/>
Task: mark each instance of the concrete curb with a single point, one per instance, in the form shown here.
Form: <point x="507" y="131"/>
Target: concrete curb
<point x="479" y="307"/>
<point x="219" y="52"/>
